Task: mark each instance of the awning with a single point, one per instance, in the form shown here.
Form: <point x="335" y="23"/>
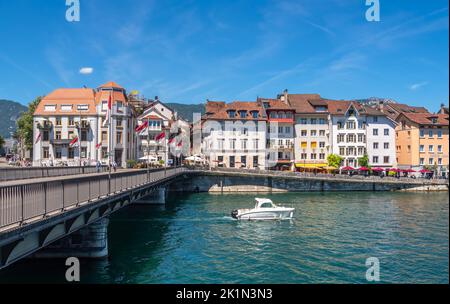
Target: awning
<point x="310" y="166"/>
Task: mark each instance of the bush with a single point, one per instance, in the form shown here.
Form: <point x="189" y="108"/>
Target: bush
<point x="131" y="163"/>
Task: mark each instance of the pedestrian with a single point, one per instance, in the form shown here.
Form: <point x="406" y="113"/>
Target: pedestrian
<point x="114" y="164"/>
<point x="97" y="165"/>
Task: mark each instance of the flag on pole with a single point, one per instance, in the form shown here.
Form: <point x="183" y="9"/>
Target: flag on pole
<point x="108" y="114"/>
<point x="38" y="138"/>
<point x="141" y="127"/>
<point x="73" y="142"/>
<point x="172" y="140"/>
<point x="98" y="146"/>
<point x="160" y="136"/>
<point x="180" y="144"/>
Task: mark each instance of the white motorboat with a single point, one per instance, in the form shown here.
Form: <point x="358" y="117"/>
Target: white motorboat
<point x="264" y="209"/>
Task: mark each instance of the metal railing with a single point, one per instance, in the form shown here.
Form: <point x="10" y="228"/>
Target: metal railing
<point x="8" y="174"/>
<point x="36" y="200"/>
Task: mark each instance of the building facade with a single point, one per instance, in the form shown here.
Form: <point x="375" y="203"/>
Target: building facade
<point x="423" y="142"/>
<point x="357" y="130"/>
<point x="67" y="114"/>
<point x="233" y="135"/>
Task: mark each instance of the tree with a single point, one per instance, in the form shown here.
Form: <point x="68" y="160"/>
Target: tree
<point x="364" y="161"/>
<point x="25" y="124"/>
<point x="2" y="142"/>
<point x="334" y="160"/>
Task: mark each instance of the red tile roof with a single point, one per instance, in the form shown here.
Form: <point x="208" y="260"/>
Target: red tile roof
<point x="426" y="118"/>
<point x="219" y="110"/>
<point x="111" y="84"/>
<point x="73" y="97"/>
<point x="275" y="104"/>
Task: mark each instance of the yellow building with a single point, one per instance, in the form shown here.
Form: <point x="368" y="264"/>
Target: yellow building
<point x="422" y="142"/>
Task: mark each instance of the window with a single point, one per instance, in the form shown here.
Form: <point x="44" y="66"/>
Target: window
<point x="58" y="121"/>
<point x="430" y="133"/>
<point x="341" y="151"/>
<point x="351" y="125"/>
<point x="422" y="133"/>
<point x="255" y="162"/>
<point x="439" y="134"/>
<point x="304" y="145"/>
<point x="71" y="153"/>
<point x="313" y="121"/>
<point x="104" y="152"/>
<point x="45" y="153"/>
<point x="421" y="148"/>
<point x="386" y="132"/>
<point x="361" y="150"/>
<point x="256" y="144"/>
<point x="340" y="138"/>
<point x="232" y="161"/>
<point x="439" y="161"/>
<point x="304" y="133"/>
<point x="303" y="121"/>
<point x="244" y="144"/>
<point x="431" y="161"/>
<point x="104" y="136"/>
<point x="339" y="125"/>
<point x="280" y="142"/>
<point x="119" y="106"/>
<point x="118" y="137"/>
<point x="255" y="114"/>
<point x="57" y="152"/>
<point x="351" y="138"/>
<point x="322" y="144"/>
<point x="386" y="159"/>
<point x="430" y="148"/>
<point x="58" y="135"/>
<point x="84" y="135"/>
<point x="119" y="123"/>
<point x="220" y="143"/>
<point x="409" y="148"/>
<point x="50" y="108"/>
<point x="362" y="125"/>
<point x="322" y="156"/>
<point x="71" y="121"/>
<point x="231" y="114"/>
<point x="321" y="132"/>
<point x="313" y="156"/>
<point x="243" y="114"/>
<point x="375" y="132"/>
<point x="361" y="138"/>
<point x="243" y="161"/>
<point x="45" y="136"/>
<point x="280" y="155"/>
<point x="386" y="145"/>
<point x="232" y="144"/>
<point x="375" y="159"/>
<point x="287" y="130"/>
<point x="422" y="161"/>
<point x="322" y="121"/>
<point x="440" y="148"/>
<point x="313" y="133"/>
<point x="375" y="145"/>
<point x="313" y="145"/>
<point x="375" y="119"/>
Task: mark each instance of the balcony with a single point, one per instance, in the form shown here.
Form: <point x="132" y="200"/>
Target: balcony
<point x="84" y="125"/>
<point x="45" y="125"/>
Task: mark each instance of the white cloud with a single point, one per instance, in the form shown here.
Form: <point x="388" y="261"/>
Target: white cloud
<point x="416" y="86"/>
<point x="86" y="70"/>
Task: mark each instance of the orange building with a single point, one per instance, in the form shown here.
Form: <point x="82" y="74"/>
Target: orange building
<point x="422" y="142"/>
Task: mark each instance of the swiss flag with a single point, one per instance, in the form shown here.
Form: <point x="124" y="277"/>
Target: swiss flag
<point x="110" y="102"/>
<point x="98" y="146"/>
<point x="141" y="127"/>
<point x="73" y="142"/>
<point x="38" y="138"/>
<point x="160" y="136"/>
<point x="180" y="144"/>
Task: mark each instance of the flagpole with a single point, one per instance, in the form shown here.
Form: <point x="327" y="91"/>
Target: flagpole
<point x="79" y="137"/>
<point x="148" y="149"/>
<point x="109" y="140"/>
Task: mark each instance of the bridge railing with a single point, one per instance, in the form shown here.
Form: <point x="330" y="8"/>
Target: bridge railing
<point x="33" y="200"/>
<point x="7" y="174"/>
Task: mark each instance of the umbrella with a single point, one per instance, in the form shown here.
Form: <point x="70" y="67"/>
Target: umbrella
<point x="393" y="170"/>
<point x="363" y="168"/>
<point x="409" y="171"/>
<point x="377" y="169"/>
<point x="149" y="158"/>
<point x="348" y="168"/>
<point x="194" y="159"/>
<point x="425" y="171"/>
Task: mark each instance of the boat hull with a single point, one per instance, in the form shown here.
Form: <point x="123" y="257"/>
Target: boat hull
<point x="286" y="214"/>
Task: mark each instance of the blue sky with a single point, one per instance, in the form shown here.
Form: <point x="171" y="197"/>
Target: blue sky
<point x="188" y="51"/>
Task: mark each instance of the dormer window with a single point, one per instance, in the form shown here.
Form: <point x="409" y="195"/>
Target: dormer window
<point x="243" y="114"/>
<point x="255" y="114"/>
<point x="434" y="120"/>
<point x="232" y="114"/>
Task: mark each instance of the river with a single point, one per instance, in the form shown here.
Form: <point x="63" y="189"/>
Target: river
<point x="192" y="239"/>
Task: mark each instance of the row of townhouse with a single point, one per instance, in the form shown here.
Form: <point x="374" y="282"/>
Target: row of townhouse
<point x="301" y="130"/>
<point x="71" y="127"/>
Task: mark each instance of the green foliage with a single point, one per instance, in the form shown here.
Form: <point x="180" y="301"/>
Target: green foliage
<point x="364" y="161"/>
<point x="161" y="162"/>
<point x="25" y="124"/>
<point x="334" y="160"/>
<point x="131" y="163"/>
<point x="2" y="142"/>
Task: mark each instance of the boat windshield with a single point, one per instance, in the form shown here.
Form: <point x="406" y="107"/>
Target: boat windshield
<point x="266" y="205"/>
